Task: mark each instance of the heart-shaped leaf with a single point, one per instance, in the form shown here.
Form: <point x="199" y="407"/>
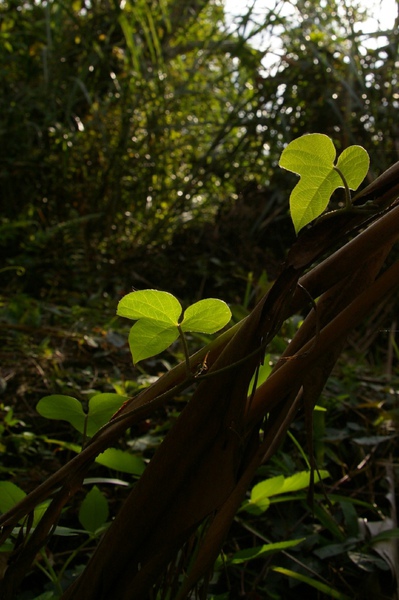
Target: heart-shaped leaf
<point x="354" y="163"/>
<point x="93" y="512"/>
<point x="67" y="408"/>
<point x="101" y="409"/>
<point x="160" y="320"/>
<point x="148" y="338"/>
<point x="150" y="304"/>
<point x="206" y="316"/>
<point x="312" y="157"/>
<point x="64" y="408"/>
<point x="157" y="314"/>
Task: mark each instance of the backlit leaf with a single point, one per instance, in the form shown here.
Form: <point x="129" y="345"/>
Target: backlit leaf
<point x="159" y="315"/>
<point x="262" y="492"/>
<point x="354" y="163"/>
<point x="327" y="590"/>
<point x="312" y="157"/>
<point x="267" y="488"/>
<point x="206" y="316"/>
<point x="151" y="304"/>
<point x="301" y="480"/>
<point x="148" y="338"/>
<point x="258" y="551"/>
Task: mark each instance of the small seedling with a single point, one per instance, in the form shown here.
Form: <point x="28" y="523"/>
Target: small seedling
<point x="161" y="320"/>
<point x="312" y="157"/>
<point x="100" y="410"/>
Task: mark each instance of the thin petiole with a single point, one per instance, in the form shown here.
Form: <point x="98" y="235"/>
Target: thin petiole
<point x="348" y="198"/>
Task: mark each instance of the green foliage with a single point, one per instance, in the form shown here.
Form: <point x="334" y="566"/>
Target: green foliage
<point x="261" y="493"/>
<point x="94" y="511"/>
<point x="244" y="556"/>
<point x="318" y="585"/>
<point x="160" y="320"/>
<point x="93" y="516"/>
<point x="338" y="544"/>
<point x="115" y="137"/>
<point x="100" y="409"/>
<point x="121" y="460"/>
<point x="261" y="374"/>
<point x="10" y="495"/>
<point x="123" y="126"/>
<point x="312" y="157"/>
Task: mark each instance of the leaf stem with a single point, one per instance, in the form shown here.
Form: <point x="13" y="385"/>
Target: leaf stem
<point x="348" y="198"/>
<point x="185" y="350"/>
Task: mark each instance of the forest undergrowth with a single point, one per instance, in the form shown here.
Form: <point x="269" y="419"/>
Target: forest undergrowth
<point x="59" y="348"/>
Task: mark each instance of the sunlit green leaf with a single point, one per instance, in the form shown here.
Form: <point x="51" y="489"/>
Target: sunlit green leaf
<point x="354" y="163"/>
<point x="158" y="316"/>
<point x="261" y="506"/>
<point x="268" y="487"/>
<point x="318" y="585"/>
<point x="206" y="316"/>
<point x="261" y="493"/>
<point x="253" y="553"/>
<point x="151" y="304"/>
<point x="301" y="480"/>
<point x="312" y="157"/>
<point x="148" y="338"/>
<point x="259" y="500"/>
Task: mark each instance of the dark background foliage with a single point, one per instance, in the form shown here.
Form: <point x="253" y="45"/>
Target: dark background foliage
<point x="135" y="136"/>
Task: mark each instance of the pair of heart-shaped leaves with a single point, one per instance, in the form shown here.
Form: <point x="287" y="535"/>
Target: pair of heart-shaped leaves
<point x="312" y="157"/>
<point x="160" y="320"/>
<point x="101" y="407"/>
